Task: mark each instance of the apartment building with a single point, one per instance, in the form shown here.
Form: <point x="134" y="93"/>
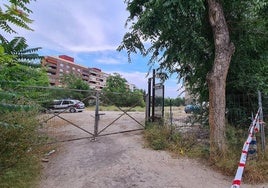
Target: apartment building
<point x="130" y="86"/>
<point x="97" y="79"/>
<point x="58" y="66"/>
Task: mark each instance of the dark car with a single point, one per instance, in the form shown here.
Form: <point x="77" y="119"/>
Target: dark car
<point x="190" y="108"/>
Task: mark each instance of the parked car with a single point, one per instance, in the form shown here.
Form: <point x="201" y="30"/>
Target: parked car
<point x="70" y="105"/>
<point x="190" y="108"/>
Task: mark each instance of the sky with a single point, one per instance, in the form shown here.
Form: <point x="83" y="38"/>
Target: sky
<point x="89" y="31"/>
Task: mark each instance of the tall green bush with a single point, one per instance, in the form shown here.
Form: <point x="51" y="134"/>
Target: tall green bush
<point x="17" y="136"/>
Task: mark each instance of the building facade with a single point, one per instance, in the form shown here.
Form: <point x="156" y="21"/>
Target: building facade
<point x="58" y="66"/>
<point x="97" y="79"/>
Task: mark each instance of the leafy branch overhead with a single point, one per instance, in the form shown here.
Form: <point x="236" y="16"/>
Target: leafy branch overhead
<point x="18" y="47"/>
<point x="196" y="39"/>
<point x="178" y="38"/>
<point x="17" y="14"/>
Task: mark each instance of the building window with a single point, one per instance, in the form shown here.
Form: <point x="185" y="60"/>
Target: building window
<point x="61" y="65"/>
<point x="61" y="70"/>
<point x="68" y="66"/>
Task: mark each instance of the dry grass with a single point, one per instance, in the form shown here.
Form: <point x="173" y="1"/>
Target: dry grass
<point x="256" y="171"/>
<point x="114" y="108"/>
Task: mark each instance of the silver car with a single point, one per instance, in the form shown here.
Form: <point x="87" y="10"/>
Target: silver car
<point x="70" y="105"/>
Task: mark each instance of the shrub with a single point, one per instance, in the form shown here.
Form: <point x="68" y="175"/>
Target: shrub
<point x="17" y="136"/>
<point x="166" y="138"/>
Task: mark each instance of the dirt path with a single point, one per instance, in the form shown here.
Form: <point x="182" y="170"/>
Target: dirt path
<point x="122" y="161"/>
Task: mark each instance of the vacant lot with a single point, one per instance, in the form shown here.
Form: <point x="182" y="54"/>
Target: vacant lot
<point x="120" y="160"/>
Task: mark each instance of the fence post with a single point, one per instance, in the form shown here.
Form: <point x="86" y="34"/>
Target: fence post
<point x="170" y="112"/>
<point x="96" y="116"/>
<point x="148" y="100"/>
<point x="153" y="97"/>
<point x="261" y="123"/>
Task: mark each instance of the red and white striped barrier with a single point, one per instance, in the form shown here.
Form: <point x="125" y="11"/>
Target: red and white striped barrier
<point x="255" y="126"/>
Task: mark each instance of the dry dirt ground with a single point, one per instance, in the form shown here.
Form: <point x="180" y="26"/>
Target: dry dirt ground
<point x="118" y="160"/>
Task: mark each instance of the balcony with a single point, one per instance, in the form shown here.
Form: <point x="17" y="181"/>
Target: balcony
<point x="52" y="71"/>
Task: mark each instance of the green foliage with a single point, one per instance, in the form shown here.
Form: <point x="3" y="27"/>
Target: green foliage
<point x="174" y="102"/>
<point x="17" y="136"/>
<point x="177" y="37"/>
<point x="73" y="81"/>
<point x="15" y="13"/>
<point x="157" y="137"/>
<point x="249" y="30"/>
<point x="127" y="99"/>
<point x="19" y="166"/>
<point x="16" y="74"/>
<point x="178" y="34"/>
<point x="186" y="144"/>
<point x="24" y="174"/>
<point x="19" y="145"/>
<point x="73" y="87"/>
<point x="18" y="48"/>
<point x="116" y="83"/>
<point x="117" y="93"/>
<point x="255" y="171"/>
<point x="161" y="137"/>
<point x="4" y="58"/>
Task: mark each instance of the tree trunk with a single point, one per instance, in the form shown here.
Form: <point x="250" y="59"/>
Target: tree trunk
<point x="217" y="77"/>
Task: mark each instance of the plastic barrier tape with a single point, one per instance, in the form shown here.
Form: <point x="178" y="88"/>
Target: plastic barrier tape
<point x="255" y="126"/>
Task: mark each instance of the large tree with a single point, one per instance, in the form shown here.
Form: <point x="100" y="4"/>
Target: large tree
<point x="116" y="83"/>
<point x="191" y="38"/>
<point x="116" y="92"/>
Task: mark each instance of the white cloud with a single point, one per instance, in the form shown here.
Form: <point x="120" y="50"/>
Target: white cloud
<point x="109" y="61"/>
<point x="81" y="48"/>
<point x="90" y="31"/>
<point x="77" y="26"/>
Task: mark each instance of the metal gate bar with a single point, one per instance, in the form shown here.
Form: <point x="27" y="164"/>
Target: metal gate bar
<point x="93" y="137"/>
<point x="75" y="125"/>
<point x="125" y="112"/>
<point x="97" y="133"/>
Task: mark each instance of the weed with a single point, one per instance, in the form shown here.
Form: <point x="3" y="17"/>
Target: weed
<point x="187" y="144"/>
<point x="19" y="150"/>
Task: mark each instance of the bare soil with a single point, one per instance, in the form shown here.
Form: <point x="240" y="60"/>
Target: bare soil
<point x="119" y="160"/>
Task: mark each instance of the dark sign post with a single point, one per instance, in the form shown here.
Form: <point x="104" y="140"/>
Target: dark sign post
<point x="148" y="100"/>
<point x="153" y="97"/>
<point x="159" y="100"/>
<point x="156" y="101"/>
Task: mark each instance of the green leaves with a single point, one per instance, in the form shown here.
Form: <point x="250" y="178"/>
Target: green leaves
<point x="116" y="92"/>
<point x="177" y="37"/>
<point x="115" y="83"/>
<point x="17" y="14"/>
<point x="72" y="81"/>
<point x="18" y="47"/>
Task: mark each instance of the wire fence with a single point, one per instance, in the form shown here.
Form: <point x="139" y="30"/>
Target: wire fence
<point x="242" y="107"/>
<point x="56" y="107"/>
